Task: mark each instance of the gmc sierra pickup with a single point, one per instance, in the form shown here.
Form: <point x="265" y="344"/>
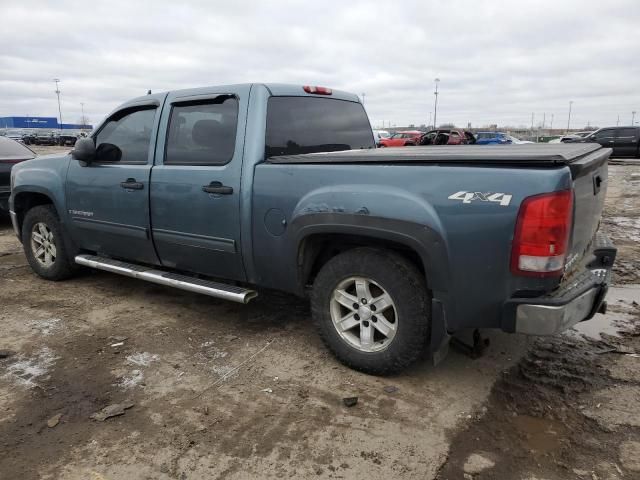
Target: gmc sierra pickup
<point x="280" y="187"/>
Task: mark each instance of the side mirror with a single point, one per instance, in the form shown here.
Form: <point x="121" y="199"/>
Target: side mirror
<point x="84" y="150"/>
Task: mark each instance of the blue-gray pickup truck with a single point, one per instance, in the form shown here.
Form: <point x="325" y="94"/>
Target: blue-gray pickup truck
<point x="231" y="189"/>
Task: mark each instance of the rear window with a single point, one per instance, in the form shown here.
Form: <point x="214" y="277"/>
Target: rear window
<point x="298" y="125"/>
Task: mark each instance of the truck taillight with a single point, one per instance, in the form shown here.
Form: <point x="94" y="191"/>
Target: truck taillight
<point x="317" y="90"/>
<point x="542" y="234"/>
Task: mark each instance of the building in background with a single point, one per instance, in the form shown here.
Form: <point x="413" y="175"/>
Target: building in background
<point x="49" y="123"/>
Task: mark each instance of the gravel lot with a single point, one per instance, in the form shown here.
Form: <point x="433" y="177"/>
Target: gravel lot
<point x="219" y="390"/>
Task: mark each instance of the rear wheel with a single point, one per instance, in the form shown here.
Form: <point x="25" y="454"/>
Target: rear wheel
<point x="44" y="245"/>
<point x="371" y="308"/>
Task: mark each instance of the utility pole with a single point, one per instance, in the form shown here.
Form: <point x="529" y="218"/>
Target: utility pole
<point x="618" y="121"/>
<point x="569" y="118"/>
<point x="551" y="127"/>
<point x="57" y="80"/>
<point x="633" y="118"/>
<point x="532" y="116"/>
<point x="435" y="105"/>
<point x="82" y="107"/>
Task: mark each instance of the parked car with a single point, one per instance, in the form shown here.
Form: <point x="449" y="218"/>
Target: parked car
<point x="42" y="138"/>
<point x="492" y="138"/>
<point x="396" y="248"/>
<point x="517" y="141"/>
<point x="11" y="152"/>
<point x="447" y="136"/>
<point x="67" y="139"/>
<point x="16" y="135"/>
<point x="401" y="139"/>
<point x="379" y="135"/>
<point x="625" y="141"/>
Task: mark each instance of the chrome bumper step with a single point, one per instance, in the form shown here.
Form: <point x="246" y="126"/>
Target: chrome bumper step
<point x="182" y="282"/>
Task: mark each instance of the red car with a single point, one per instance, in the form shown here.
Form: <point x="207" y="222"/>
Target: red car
<point x="402" y="139"/>
<point x="447" y="136"/>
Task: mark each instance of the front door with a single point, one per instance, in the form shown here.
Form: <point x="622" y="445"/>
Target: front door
<point x="604" y="137"/>
<point x="195" y="185"/>
<point x="626" y="142"/>
<point x="108" y="199"/>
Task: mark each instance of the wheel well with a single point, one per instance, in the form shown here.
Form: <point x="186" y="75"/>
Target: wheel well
<point x="316" y="250"/>
<point x="26" y="201"/>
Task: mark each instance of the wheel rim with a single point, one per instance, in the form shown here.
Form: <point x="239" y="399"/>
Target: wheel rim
<point x="43" y="244"/>
<point x="364" y="314"/>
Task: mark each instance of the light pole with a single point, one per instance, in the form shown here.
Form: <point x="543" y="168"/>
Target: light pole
<point x="435" y="105"/>
<point x="82" y="107"/>
<point x="618" y="121"/>
<point x="633" y="118"/>
<point x="532" y="116"/>
<point x="57" y="80"/>
<point x="569" y="118"/>
<point x="551" y="127"/>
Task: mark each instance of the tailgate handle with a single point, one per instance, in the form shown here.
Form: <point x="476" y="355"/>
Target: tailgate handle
<point x="597" y="182"/>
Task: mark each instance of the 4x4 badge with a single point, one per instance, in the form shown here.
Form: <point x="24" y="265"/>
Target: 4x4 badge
<point x="503" y="199"/>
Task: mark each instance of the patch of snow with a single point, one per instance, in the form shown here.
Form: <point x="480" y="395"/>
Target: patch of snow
<point x="26" y="371"/>
<point x="142" y="359"/>
<point x="133" y="379"/>
<point x="46" y="326"/>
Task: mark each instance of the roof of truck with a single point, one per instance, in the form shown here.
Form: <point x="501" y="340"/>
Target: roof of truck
<point x="276" y="89"/>
<point x="527" y="154"/>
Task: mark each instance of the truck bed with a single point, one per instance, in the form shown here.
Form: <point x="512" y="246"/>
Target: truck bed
<point x="527" y="155"/>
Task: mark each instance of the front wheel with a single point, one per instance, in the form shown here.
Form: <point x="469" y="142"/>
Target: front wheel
<point x="44" y="245"/>
<point x="372" y="309"/>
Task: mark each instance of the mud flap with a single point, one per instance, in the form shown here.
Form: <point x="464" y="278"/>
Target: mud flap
<point x="439" y="345"/>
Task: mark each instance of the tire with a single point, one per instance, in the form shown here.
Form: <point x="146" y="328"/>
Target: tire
<point x="409" y="314"/>
<point x="41" y="230"/>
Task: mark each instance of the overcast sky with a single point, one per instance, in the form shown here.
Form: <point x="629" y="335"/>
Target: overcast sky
<point x="498" y="61"/>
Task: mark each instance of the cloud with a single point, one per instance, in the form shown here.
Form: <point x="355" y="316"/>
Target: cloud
<point x="498" y="62"/>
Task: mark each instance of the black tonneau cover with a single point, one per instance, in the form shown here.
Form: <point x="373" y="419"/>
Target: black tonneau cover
<point x="522" y="155"/>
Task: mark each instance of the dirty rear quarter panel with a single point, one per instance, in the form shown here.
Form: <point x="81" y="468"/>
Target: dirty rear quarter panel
<point x="471" y="241"/>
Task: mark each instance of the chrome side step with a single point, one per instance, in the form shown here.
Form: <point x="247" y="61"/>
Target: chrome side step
<point x="183" y="282"/>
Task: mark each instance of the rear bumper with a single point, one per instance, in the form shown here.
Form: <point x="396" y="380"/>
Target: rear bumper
<point x="576" y="301"/>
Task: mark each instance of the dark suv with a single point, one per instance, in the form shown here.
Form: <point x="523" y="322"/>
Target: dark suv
<point x="625" y="141"/>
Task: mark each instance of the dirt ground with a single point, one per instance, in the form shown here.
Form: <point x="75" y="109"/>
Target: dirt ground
<point x="219" y="390"/>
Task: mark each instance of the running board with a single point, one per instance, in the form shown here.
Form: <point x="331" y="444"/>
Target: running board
<point x="183" y="282"/>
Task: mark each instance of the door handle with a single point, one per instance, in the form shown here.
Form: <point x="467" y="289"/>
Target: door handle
<point x="217" y="187"/>
<point x="131" y="184"/>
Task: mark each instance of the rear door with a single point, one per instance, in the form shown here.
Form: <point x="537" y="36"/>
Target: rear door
<point x="195" y="184"/>
<point x="626" y="142"/>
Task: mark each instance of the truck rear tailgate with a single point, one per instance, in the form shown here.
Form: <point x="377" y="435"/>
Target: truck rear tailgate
<point x="590" y="177"/>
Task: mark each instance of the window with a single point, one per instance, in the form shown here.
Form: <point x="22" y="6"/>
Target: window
<point x="454" y="134"/>
<point x="627" y="133"/>
<point x="129" y="131"/>
<point x="604" y="134"/>
<point x="202" y="132"/>
<point x="309" y="124"/>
